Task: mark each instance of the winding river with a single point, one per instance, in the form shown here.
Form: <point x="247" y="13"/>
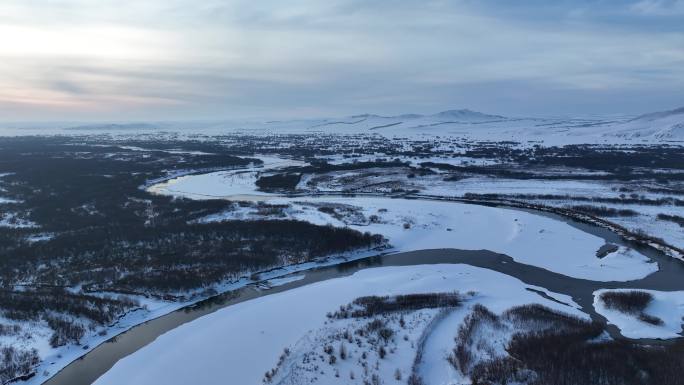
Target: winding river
<point x="669" y="277"/>
<point x="88" y="368"/>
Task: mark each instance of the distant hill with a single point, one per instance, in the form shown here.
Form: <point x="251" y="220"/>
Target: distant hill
<point x="115" y="127"/>
<point x="655" y="127"/>
<point x="466" y="115"/>
<point x="663" y="125"/>
<point x="661" y="115"/>
<point x="454" y="115"/>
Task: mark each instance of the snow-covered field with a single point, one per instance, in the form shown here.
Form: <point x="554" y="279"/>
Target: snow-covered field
<point x="240" y="343"/>
<point x="667" y="306"/>
<point x="646" y="220"/>
<point x="240" y="185"/>
<point x="418" y="224"/>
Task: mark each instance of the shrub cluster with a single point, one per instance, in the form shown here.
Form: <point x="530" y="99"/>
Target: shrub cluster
<point x="672" y="218"/>
<point x="374" y="305"/>
<point x="604" y="211"/>
<point x="632" y="301"/>
<point x="16" y="363"/>
<point x="286" y="181"/>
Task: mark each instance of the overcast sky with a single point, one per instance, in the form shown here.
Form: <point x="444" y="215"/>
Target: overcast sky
<point x="224" y="59"/>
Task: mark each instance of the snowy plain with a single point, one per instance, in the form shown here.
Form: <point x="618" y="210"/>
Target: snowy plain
<point x="239" y="185"/>
<point x="412" y="224"/>
<point x="528" y="238"/>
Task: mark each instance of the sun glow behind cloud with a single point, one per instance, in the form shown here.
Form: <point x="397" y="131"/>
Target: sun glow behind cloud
<point x="79" y="59"/>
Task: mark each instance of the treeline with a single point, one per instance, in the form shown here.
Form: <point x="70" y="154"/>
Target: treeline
<point x="34" y="304"/>
<point x="567" y="358"/>
<point x="373" y="305"/>
<point x="323" y="167"/>
<point x="604" y="211"/>
<point x="608" y="158"/>
<point x="632" y="302"/>
<point x="286" y="181"/>
<point x="615" y="163"/>
<point x="547" y="347"/>
<point x="621" y="200"/>
<point x="65" y="331"/>
<point x="473" y="340"/>
<point x="107" y="234"/>
<point x="111" y="235"/>
<point x="60" y="309"/>
<point x="672" y="218"/>
<point x="176" y="256"/>
<point x="17" y="363"/>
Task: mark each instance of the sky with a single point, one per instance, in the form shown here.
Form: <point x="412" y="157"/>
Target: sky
<point x="235" y="59"/>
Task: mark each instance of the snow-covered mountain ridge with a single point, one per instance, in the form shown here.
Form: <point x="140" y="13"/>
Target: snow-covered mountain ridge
<point x="657" y="127"/>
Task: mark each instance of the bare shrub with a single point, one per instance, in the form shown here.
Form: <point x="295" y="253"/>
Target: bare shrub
<point x="632" y="302"/>
<point x="16" y="363"/>
<point x="374" y="305"/>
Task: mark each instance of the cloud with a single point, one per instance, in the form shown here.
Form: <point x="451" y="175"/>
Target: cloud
<point x="659" y="7"/>
<point x="231" y="58"/>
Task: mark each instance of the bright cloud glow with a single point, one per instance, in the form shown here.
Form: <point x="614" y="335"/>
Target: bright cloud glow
<point x="179" y="59"/>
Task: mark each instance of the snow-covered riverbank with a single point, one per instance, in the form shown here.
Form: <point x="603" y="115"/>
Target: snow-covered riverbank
<point x="668" y="307"/>
<point x="226" y="184"/>
<point x="412" y="224"/>
<point x="55" y="359"/>
<point x="239" y="343"/>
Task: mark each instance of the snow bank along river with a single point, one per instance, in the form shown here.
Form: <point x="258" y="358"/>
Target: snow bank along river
<point x="549" y="285"/>
<point x="239" y="343"/>
<point x="554" y="257"/>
